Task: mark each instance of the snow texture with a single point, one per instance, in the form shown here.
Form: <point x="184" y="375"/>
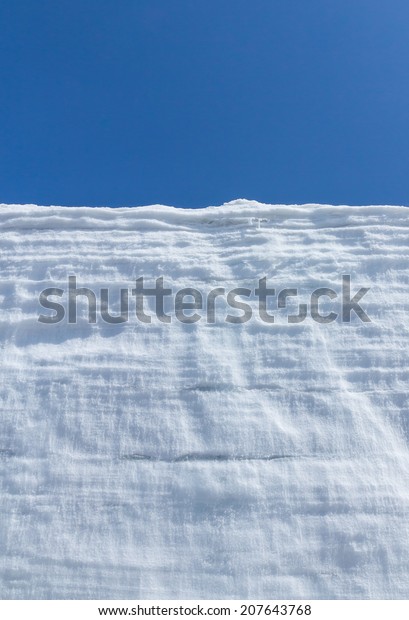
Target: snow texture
<point x="212" y="461"/>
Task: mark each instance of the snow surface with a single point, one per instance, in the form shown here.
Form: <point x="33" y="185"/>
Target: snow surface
<point x="297" y="481"/>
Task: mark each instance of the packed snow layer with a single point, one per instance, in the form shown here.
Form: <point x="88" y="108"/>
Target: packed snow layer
<point x="218" y="460"/>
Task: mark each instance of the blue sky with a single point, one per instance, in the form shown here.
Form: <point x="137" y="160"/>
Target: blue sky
<point x="191" y="102"/>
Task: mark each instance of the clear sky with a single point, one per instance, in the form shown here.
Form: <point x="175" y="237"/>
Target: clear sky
<point x="197" y="102"/>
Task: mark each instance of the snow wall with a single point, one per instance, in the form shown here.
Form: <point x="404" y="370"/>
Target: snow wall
<point x="207" y="459"/>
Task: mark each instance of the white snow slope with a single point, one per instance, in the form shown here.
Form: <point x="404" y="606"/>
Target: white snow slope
<point x="217" y="460"/>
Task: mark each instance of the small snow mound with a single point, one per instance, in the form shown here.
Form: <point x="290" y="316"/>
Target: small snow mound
<point x="243" y="202"/>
